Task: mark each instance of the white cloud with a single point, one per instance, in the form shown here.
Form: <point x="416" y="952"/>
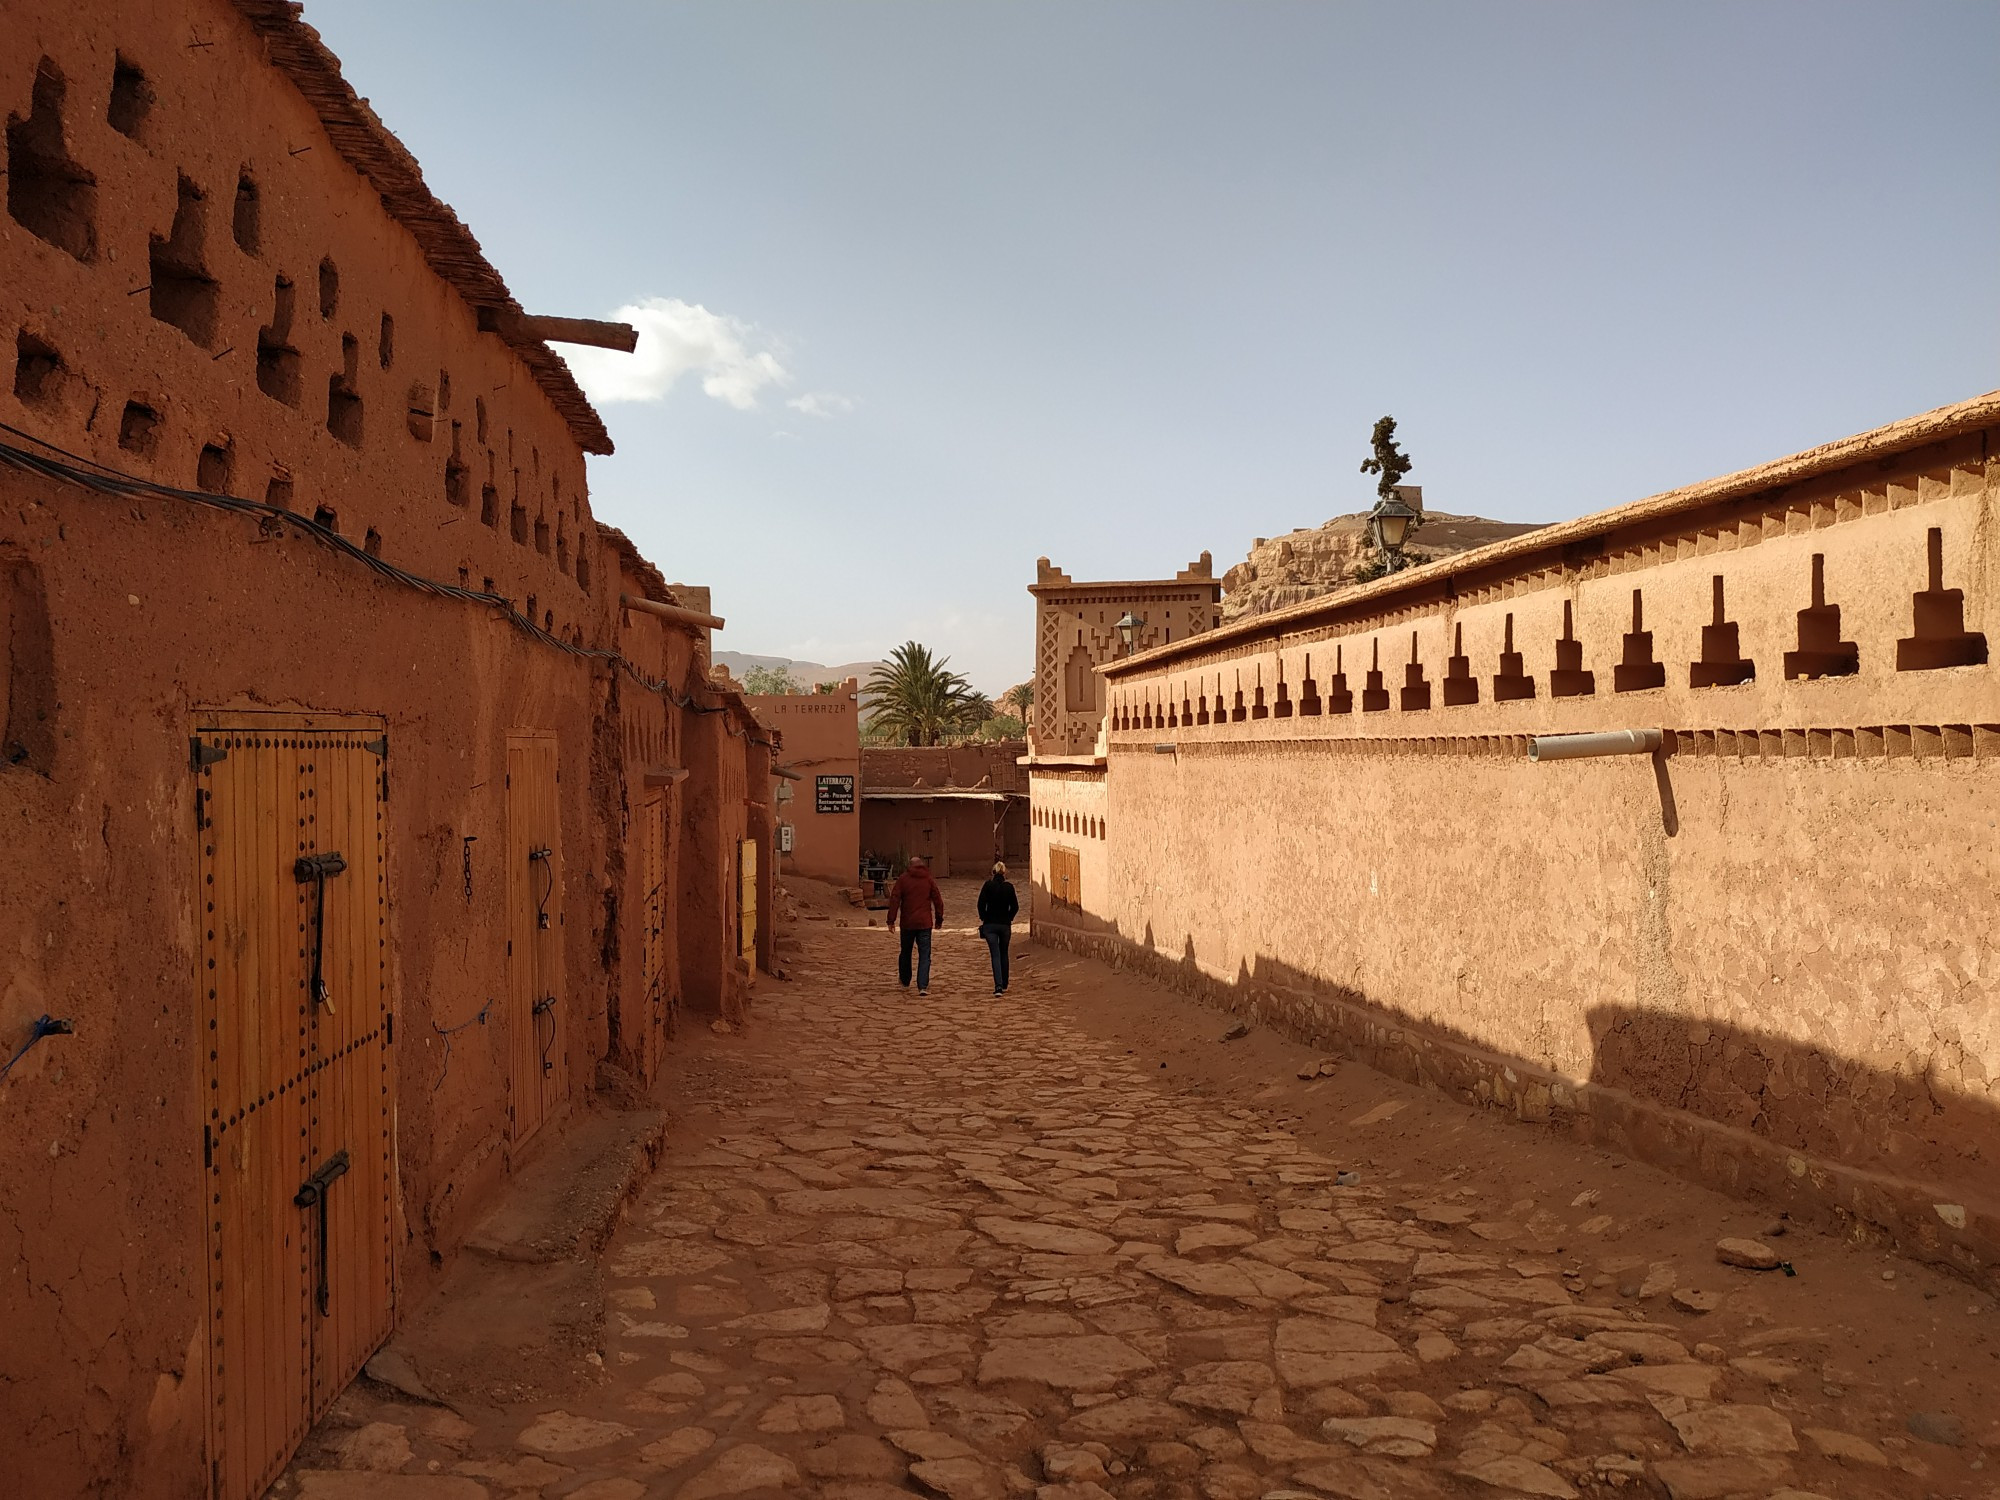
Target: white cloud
<point x="822" y="404"/>
<point x="678" y="338"/>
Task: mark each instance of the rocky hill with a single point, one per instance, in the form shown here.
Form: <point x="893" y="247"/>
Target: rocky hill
<point x="805" y="673"/>
<point x="1321" y="560"/>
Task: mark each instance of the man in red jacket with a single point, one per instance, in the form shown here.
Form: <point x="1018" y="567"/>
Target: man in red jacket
<point x="918" y="904"/>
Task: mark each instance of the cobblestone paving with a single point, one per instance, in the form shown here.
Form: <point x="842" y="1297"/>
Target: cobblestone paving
<point x="960" y="1248"/>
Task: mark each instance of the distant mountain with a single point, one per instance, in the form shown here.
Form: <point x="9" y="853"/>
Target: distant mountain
<point x="805" y="673"/>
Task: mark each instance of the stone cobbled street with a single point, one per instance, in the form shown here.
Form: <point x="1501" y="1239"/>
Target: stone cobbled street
<point x="958" y="1247"/>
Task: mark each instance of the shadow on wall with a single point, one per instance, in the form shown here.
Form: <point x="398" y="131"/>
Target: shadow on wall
<point x="1875" y="1155"/>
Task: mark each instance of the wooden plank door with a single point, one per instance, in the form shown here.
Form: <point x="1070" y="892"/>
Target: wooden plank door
<point x="350" y="1102"/>
<point x="538" y="1038"/>
<point x="654" y="833"/>
<point x="746" y="903"/>
<point x="270" y="1075"/>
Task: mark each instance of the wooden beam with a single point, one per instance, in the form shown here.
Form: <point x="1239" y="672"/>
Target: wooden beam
<point x="509" y="324"/>
<point x="693" y="618"/>
<point x="620" y="336"/>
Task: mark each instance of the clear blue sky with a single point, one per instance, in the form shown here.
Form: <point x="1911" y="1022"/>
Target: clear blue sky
<point x="935" y="288"/>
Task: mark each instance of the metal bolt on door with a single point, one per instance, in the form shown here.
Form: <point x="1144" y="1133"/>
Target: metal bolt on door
<point x="538" y="1033"/>
<point x="298" y="1143"/>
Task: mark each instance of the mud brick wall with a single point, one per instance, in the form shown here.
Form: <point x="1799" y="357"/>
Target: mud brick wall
<point x="822" y="735"/>
<point x="1764" y="956"/>
<point x="989" y="764"/>
<point x="199" y="287"/>
<point x="1070" y="841"/>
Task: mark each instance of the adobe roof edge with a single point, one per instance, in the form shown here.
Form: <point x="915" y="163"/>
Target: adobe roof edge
<point x="652" y="582"/>
<point x="367" y="145"/>
<point x="1897" y="437"/>
<point x="1124" y="585"/>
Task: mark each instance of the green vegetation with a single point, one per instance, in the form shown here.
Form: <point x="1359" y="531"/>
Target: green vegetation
<point x="918" y="702"/>
<point x="770" y="680"/>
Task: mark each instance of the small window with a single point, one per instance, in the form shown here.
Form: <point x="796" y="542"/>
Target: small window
<point x="49" y="193"/>
<point x="385" y="346"/>
<point x="184" y="294"/>
<point x="246" y="223"/>
<point x="37" y="371"/>
<point x="329" y="288"/>
<point x="212" y="471"/>
<point x="139" y="429"/>
<point x="131" y="98"/>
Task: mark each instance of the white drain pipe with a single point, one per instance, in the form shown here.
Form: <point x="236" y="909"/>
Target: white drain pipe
<point x="1602" y="742"/>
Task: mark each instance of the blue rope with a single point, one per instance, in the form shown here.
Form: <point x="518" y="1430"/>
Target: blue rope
<point x="44" y="1026"/>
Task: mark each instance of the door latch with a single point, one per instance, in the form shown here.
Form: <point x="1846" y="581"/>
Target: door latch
<point x="312" y="1194"/>
<point x="319" y="868"/>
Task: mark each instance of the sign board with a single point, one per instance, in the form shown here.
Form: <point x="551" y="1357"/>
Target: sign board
<point x="833" y="794"/>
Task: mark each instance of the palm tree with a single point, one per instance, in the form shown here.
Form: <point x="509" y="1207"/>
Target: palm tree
<point x="918" y="702"/>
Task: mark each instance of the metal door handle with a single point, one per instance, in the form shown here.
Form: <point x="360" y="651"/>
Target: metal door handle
<point x="318" y="868"/>
<point x="312" y="1194"/>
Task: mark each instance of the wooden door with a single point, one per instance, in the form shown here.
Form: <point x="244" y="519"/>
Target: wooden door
<point x="655" y="830"/>
<point x="298" y="1081"/>
<point x="538" y="1033"/>
<point x="746" y="903"/>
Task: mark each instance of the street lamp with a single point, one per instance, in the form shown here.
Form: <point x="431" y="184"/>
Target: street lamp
<point x="1389" y="526"/>
<point x="1127" y="629"/>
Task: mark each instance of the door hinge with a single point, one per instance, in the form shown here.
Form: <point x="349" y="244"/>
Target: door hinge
<point x="377" y="746"/>
<point x="207" y="1148"/>
<point x="389" y="1027"/>
<point x="200" y="755"/>
<point x="200" y="808"/>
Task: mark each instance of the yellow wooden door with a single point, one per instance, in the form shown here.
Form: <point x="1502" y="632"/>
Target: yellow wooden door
<point x="746" y="904"/>
<point x="298" y="1081"/>
<point x="538" y="1039"/>
<point x="350" y="1100"/>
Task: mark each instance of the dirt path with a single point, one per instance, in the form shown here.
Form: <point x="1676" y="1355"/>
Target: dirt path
<point x="1069" y="1244"/>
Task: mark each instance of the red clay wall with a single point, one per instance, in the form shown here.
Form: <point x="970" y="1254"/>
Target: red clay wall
<point x="822" y="734"/>
<point x="1068" y="814"/>
<point x="991" y="765"/>
<point x="423" y="436"/>
<point x="956" y="837"/>
<point x="1763" y="957"/>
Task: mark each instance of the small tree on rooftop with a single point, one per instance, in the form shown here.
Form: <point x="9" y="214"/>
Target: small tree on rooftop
<point x="763" y="680"/>
<point x="919" y="702"/>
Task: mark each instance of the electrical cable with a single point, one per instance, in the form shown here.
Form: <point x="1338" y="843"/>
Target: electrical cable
<point x="447" y="1032"/>
<point x="87" y="473"/>
<point x="45" y="1025"/>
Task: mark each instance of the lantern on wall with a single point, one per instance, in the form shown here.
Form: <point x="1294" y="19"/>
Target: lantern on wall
<point x="1128" y="629"/>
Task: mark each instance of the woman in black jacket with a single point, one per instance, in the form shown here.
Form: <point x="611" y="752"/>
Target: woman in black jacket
<point x="997" y="908"/>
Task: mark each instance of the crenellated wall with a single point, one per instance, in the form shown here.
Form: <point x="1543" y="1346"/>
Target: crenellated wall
<point x="1076" y="632"/>
<point x="1765" y="956"/>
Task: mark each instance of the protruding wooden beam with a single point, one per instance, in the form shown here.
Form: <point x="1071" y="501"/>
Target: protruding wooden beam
<point x="620" y="336"/>
<point x="693" y="618"/>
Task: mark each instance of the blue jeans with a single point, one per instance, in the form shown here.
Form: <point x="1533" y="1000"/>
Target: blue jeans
<point x="997" y="935"/>
<point x="920" y="939"/>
